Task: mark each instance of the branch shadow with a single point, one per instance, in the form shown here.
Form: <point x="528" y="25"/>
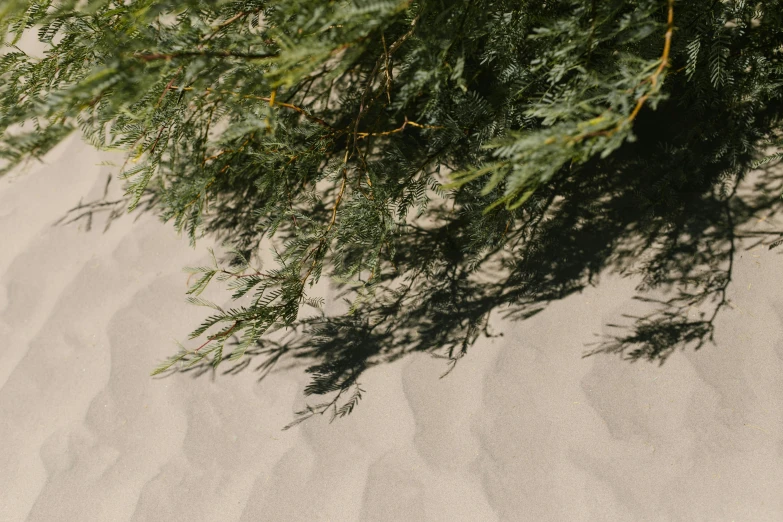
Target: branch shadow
<point x="107" y="208"/>
<point x="679" y="236"/>
<point x="654" y="210"/>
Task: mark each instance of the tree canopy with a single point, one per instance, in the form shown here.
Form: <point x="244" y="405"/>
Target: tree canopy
<point x="439" y="160"/>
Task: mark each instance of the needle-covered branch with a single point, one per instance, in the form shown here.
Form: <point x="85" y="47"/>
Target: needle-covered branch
<point x="436" y="161"/>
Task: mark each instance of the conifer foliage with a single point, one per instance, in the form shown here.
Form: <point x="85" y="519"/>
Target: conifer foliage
<point x="436" y="159"/>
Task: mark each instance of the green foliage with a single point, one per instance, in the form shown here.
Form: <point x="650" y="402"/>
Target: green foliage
<point x="412" y="150"/>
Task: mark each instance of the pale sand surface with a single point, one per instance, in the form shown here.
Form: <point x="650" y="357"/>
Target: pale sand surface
<point x="523" y="429"/>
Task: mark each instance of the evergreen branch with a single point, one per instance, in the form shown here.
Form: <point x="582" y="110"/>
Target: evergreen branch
<point x="530" y="105"/>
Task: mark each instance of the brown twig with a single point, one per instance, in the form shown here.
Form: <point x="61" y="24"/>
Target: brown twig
<point x="150" y="57"/>
<point x="157" y="138"/>
<point x="228" y="22"/>
<point x="371" y="78"/>
<point x="168" y="86"/>
<point x="267" y="99"/>
<point x="322" y="241"/>
<point x="217" y="336"/>
<point x="387" y="69"/>
<point x="653" y="79"/>
<point x="407" y="122"/>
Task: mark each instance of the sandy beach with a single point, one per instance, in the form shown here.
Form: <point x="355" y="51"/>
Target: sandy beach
<point x="524" y="428"/>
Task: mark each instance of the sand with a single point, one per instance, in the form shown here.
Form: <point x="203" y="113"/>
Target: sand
<point x="523" y="429"/>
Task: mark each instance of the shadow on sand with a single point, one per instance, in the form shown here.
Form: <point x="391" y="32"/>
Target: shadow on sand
<point x="656" y="213"/>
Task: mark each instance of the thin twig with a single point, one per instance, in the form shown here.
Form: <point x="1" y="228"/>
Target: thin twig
<point x="322" y="241"/>
<point x="228" y="22"/>
<point x="150" y="57"/>
<point x="267" y="99"/>
<point x="371" y="78"/>
<point x="398" y="129"/>
<point x="218" y="335"/>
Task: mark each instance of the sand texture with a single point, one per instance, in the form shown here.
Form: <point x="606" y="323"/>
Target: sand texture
<point x="523" y="429"/>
